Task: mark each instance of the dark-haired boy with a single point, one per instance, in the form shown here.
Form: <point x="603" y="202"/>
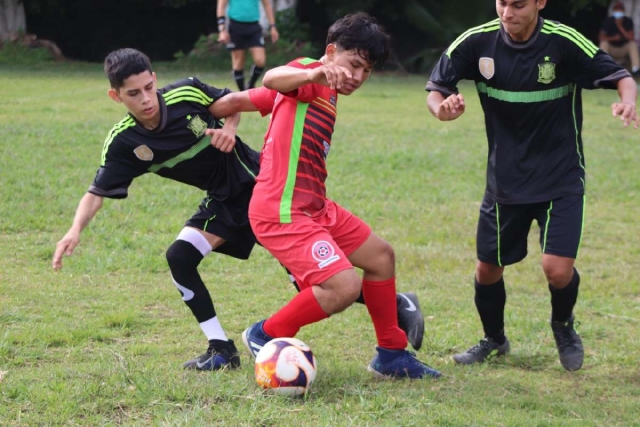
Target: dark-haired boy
<point x="317" y="240"/>
<point x="173" y="132"/>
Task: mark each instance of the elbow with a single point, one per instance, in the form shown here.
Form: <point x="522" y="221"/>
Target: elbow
<point x="267" y="80"/>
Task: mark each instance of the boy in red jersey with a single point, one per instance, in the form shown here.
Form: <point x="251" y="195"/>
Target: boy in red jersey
<point x="319" y="241"/>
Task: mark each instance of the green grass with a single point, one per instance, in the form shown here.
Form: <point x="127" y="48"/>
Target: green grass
<point x="101" y="342"/>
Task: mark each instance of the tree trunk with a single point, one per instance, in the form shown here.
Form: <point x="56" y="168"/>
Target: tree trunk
<point x="12" y="19"/>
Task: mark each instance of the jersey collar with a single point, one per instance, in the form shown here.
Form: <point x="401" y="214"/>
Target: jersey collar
<point x="522" y="45"/>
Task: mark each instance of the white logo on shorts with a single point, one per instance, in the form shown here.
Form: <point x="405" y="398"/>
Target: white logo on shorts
<point x="323" y="252"/>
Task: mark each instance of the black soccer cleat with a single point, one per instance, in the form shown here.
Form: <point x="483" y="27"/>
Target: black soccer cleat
<point x="410" y="318"/>
<point x="485" y="350"/>
<point x="569" y="344"/>
<point x="220" y="355"/>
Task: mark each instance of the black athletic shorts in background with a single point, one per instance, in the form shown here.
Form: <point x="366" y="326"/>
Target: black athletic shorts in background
<point x="245" y="35"/>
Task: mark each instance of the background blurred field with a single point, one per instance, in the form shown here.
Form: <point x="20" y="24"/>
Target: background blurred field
<point x="102" y="341"/>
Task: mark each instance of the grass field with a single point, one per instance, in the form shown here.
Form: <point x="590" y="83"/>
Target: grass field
<point x="101" y="342"/>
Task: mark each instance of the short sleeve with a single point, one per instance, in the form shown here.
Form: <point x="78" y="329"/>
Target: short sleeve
<point x="455" y="64"/>
<point x="116" y="173"/>
<point x="202" y="92"/>
<point x="592" y="67"/>
<point x="263" y="99"/>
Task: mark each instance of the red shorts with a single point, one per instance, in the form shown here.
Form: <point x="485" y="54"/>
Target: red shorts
<point x="314" y="249"/>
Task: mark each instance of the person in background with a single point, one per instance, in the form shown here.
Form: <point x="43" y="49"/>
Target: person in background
<point x="617" y="38"/>
<point x="244" y="32"/>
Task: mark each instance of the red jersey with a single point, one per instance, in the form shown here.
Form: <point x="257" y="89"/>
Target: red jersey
<point x="291" y="182"/>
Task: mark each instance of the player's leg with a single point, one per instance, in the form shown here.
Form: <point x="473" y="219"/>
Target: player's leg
<point x="501" y="240"/>
<point x="634" y="56"/>
<point x="258" y="54"/>
<point x="237" y="65"/>
<point x="222" y="227"/>
<point x="183" y="257"/>
<point x="561" y="226"/>
<point x="410" y="317"/>
<point x="377" y="260"/>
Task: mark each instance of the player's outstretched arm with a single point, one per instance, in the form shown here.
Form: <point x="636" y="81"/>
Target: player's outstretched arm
<point x="286" y="79"/>
<point x="445" y="109"/>
<point x="626" y="108"/>
<point x="88" y="207"/>
<point x="232" y="103"/>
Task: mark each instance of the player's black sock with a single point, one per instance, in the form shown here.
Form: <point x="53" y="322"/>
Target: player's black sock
<point x="238" y="76"/>
<point x="183" y="259"/>
<point x="563" y="300"/>
<point x="490" y="301"/>
<point x="255" y="74"/>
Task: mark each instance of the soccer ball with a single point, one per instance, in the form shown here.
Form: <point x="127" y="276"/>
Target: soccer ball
<point x="286" y="366"/>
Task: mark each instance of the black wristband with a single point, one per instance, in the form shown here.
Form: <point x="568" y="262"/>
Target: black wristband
<point x="272" y="26"/>
<point x="222" y="20"/>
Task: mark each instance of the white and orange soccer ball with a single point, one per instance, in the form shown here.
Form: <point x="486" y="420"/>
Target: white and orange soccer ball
<point x="286" y="366"/>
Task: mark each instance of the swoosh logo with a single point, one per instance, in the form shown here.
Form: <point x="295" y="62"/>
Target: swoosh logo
<point x="201" y="365"/>
<point x="412" y="306"/>
<point x="187" y="294"/>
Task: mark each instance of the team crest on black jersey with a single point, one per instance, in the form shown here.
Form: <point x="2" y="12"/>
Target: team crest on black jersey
<point x="546" y="71"/>
<point x="197" y="125"/>
<point x="487" y="67"/>
<point x="143" y="153"/>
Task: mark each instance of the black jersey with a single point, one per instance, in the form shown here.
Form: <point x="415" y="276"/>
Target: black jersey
<point x="177" y="148"/>
<point x="531" y="97"/>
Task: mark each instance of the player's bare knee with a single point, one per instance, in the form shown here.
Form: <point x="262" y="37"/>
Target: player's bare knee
<point x="488" y="274"/>
<point x="558" y="277"/>
<point x="382" y="264"/>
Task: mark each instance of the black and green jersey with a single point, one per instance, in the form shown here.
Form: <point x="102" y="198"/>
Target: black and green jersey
<point x="177" y="148"/>
<point x="530" y="94"/>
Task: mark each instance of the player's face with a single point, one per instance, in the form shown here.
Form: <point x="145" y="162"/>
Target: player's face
<point x="519" y="17"/>
<point x="350" y="59"/>
<point x="138" y="94"/>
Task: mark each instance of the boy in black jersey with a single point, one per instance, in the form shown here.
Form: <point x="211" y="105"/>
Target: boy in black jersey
<point x="173" y="132"/>
<point x="529" y="73"/>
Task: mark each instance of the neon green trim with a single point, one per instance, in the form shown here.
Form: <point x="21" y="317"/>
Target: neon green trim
<point x="186" y="155"/>
<point x="575" y="126"/>
<point x="123" y="124"/>
<point x="206" y="223"/>
<point x="184" y="92"/>
<point x="567" y="32"/>
<point x="484" y="28"/>
<point x="498" y="224"/>
<point x="244" y="165"/>
<point x="294" y="156"/>
<point x="584" y="210"/>
<point x="546" y="227"/>
<point x="525" y="97"/>
<point x="307" y="61"/>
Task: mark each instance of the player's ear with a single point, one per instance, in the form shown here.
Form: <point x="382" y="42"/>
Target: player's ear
<point x="331" y="50"/>
<point x="541" y="4"/>
<point x="113" y="94"/>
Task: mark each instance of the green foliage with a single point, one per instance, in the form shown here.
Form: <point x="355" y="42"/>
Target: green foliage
<point x="18" y="54"/>
<point x="101" y="342"/>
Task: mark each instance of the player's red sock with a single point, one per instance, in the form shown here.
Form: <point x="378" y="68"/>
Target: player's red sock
<point x="302" y="310"/>
<point x="380" y="299"/>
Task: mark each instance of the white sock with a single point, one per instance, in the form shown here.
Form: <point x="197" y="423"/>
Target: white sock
<point x="213" y="330"/>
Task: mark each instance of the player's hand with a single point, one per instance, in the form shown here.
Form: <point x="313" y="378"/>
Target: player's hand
<point x="275" y="36"/>
<point x="65" y="246"/>
<point x="451" y="108"/>
<point x="222" y="139"/>
<point x="223" y="36"/>
<point x="627" y="113"/>
<point x="330" y="75"/>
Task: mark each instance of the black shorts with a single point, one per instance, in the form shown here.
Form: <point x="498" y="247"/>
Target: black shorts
<point x="244" y="35"/>
<point x="227" y="219"/>
<point x="503" y="230"/>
